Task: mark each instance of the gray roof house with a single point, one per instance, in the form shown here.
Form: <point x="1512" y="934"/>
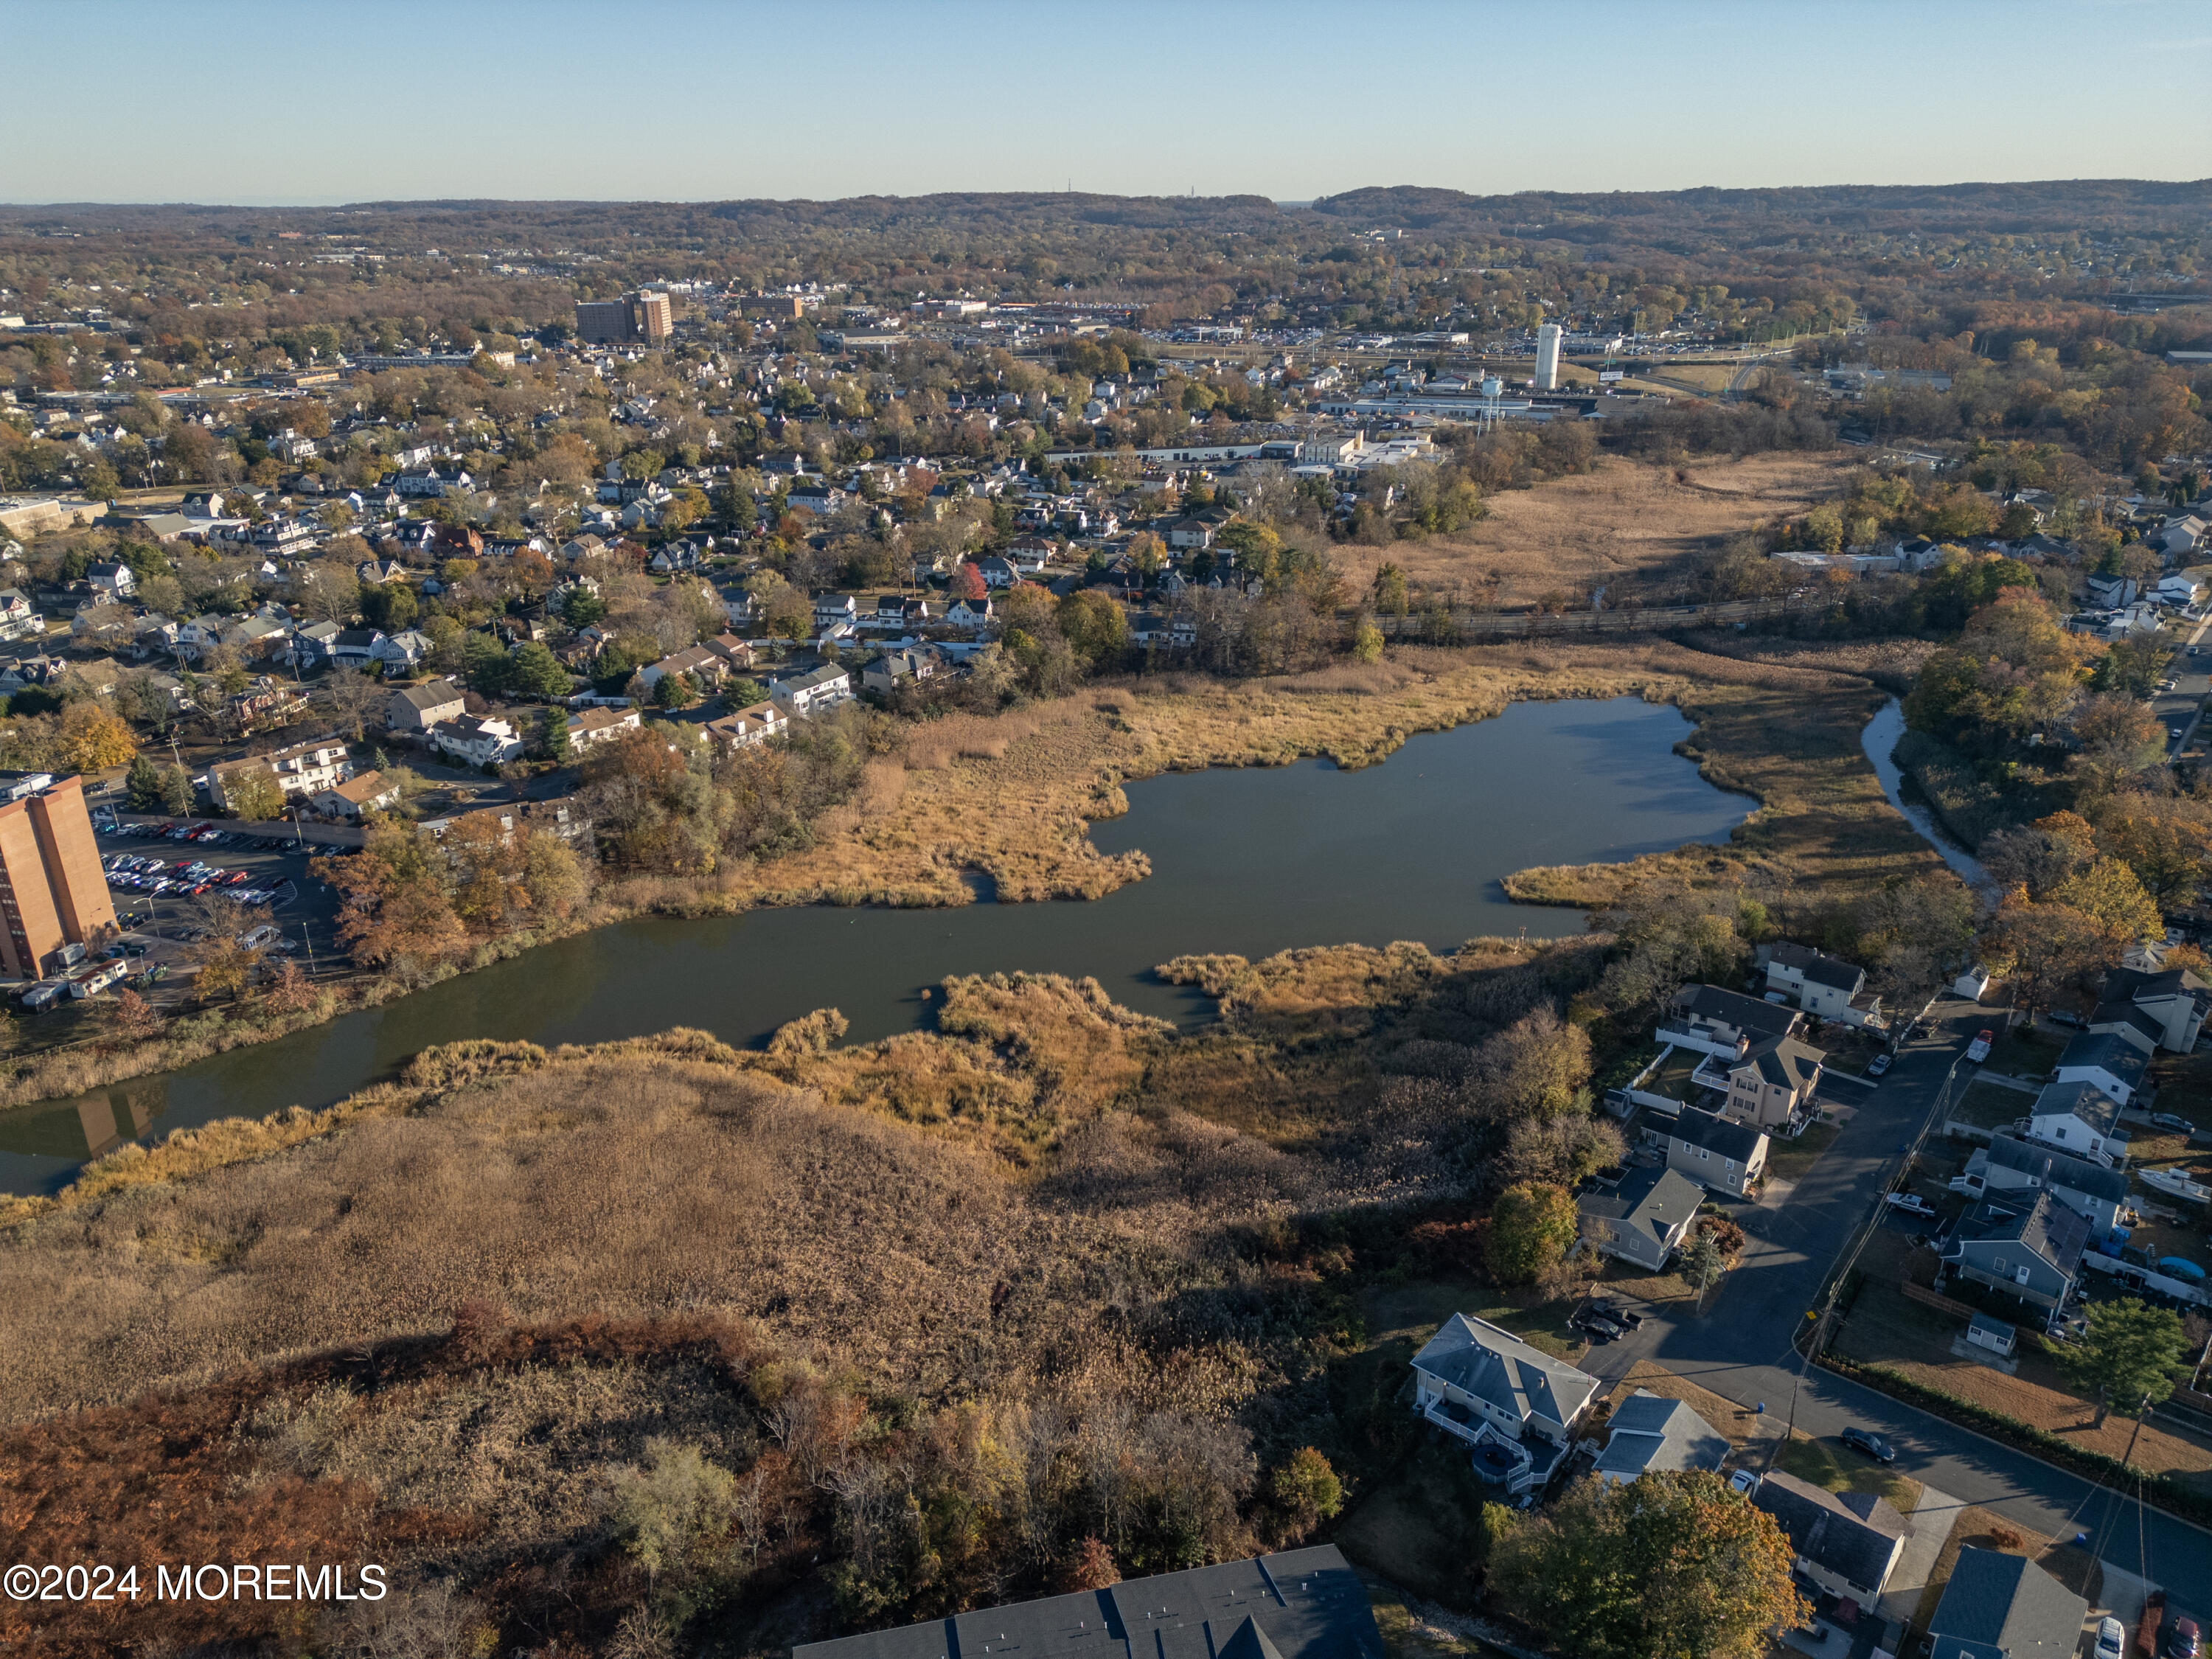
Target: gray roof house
<point x="2178" y="999"/>
<point x="1302" y="1604"/>
<point x="1825" y="987"/>
<point x="2030" y="1248"/>
<point x="419" y="708"/>
<point x="2077" y="1116"/>
<point x="1649" y="1434"/>
<point x="1516" y="1405"/>
<point x="2106" y="1060"/>
<point x="1717" y="1021"/>
<point x="1847" y="1543"/>
<point x="2005" y="1607"/>
<point x="2118" y="1017"/>
<point x="1717" y="1152"/>
<point x="2010" y="1165"/>
<point x="1643" y="1218"/>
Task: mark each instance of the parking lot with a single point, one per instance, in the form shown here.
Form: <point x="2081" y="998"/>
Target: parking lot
<point x="168" y="889"/>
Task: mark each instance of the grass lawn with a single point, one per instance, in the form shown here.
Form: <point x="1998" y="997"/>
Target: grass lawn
<point x="1673" y="1078"/>
<point x="1832" y="1466"/>
<point x="1990" y="1105"/>
<point x="1885" y="1329"/>
<point x="1416" y="1632"/>
<point x="1789" y="1160"/>
<point x="2023" y="1053"/>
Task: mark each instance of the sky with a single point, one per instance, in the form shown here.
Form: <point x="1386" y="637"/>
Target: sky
<point x="258" y="102"/>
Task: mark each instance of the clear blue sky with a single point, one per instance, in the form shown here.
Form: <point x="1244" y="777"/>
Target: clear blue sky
<point x="257" y="102"/>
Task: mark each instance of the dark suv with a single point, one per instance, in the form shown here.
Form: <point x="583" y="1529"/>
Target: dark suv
<point x="1871" y="1443"/>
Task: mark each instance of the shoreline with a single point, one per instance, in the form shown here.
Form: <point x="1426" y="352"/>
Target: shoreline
<point x="1324" y="714"/>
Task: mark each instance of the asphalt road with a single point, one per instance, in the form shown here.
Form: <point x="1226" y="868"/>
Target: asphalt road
<point x="1741" y="1349"/>
<point x="2181" y="708"/>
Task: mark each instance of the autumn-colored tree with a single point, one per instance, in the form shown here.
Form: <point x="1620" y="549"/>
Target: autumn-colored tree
<point x="2167" y="843"/>
<point x="395" y="899"/>
<point x="252" y="793"/>
<point x="291" y="992"/>
<point x="2041" y="949"/>
<point x="967" y="582"/>
<point x="1092" y="1567"/>
<point x="94" y="739"/>
<point x="1307" y="1492"/>
<point x="1666" y="1566"/>
<point x="1532" y="1229"/>
<point x="2108" y="893"/>
<point x="1094" y="625"/>
<point x="131" y="1018"/>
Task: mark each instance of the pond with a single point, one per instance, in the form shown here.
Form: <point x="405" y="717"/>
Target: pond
<point x="1249" y="861"/>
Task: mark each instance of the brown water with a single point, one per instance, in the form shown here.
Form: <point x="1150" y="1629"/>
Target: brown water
<point x="1247" y="861"/>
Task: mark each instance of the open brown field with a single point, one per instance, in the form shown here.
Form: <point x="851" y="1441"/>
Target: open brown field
<point x="1627" y="521"/>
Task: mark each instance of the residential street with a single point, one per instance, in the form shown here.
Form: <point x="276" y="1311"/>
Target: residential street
<point x="1742" y="1348"/>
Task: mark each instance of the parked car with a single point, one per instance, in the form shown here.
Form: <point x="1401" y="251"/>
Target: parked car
<point x="1868" y="1441"/>
<point x="2168" y="1120"/>
<point x="1745" y="1481"/>
<point x="1598" y="1324"/>
<point x="1978" y="1049"/>
<point x="1911" y="1204"/>
<point x="2111" y="1639"/>
<point x="2183" y="1643"/>
<point x="1878" y="1065"/>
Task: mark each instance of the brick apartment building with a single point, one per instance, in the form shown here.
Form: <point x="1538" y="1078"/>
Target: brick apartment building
<point x="641" y="316"/>
<point x="52" y="890"/>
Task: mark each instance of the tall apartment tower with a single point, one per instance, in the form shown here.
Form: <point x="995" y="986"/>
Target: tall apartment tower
<point x="642" y="316"/>
<point x="52" y="890"/>
<point x="1547" y="357"/>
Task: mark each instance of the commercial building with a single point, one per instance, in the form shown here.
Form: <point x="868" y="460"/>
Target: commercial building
<point x="642" y="316"/>
<point x="52" y="890"/>
<point x="1547" y="357"/>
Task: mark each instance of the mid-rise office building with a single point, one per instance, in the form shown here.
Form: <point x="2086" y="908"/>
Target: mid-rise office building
<point x="643" y="316"/>
<point x="53" y="891"/>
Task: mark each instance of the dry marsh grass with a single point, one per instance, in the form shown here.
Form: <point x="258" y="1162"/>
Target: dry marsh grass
<point x="1627" y="520"/>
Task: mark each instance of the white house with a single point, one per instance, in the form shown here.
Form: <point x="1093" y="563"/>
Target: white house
<point x="812" y="692"/>
<point x="756" y="724"/>
<point x="597" y="725"/>
<point x="2105" y="1060"/>
<point x="1518" y="1405"/>
<point x="2078" y="1118"/>
<point x="1825" y="987"/>
<point x="478" y="741"/>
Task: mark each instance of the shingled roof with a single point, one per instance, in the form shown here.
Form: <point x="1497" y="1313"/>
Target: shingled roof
<point x="1478" y="1358"/>
<point x="1998" y="1604"/>
<point x="1853" y="1535"/>
<point x="1302" y="1604"/>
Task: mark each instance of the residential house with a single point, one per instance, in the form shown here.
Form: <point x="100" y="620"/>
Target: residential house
<point x="353" y="648"/>
<point x="998" y="574"/>
<point x="1190" y="533"/>
<point x="419" y="708"/>
<point x="310" y="644"/>
<point x="113" y="581"/>
<point x="832" y="609"/>
<point x="708" y="666"/>
<point x="2105" y="1060"/>
<point x="2136" y="1026"/>
<point x="1825" y="987"/>
<point x="402" y="652"/>
<point x="375" y="573"/>
<point x="749" y="726"/>
<point x="813" y="691"/>
<point x="1719" y="1154"/>
<point x="886" y="673"/>
<point x="2029" y="1248"/>
<point x="301" y="769"/>
<point x="353" y="799"/>
<point x="478" y="741"/>
<point x="18" y="616"/>
<point x="1846" y="1543"/>
<point x="1713" y="1021"/>
<point x="1648" y="1434"/>
<point x="1644" y="1216"/>
<point x="738" y="652"/>
<point x="1517" y="1406"/>
<point x="1773" y="1084"/>
<point x="2178" y="999"/>
<point x="2079" y="1118"/>
<point x="2011" y="1169"/>
<point x="1998" y="1606"/>
<point x="1302" y="1604"/>
<point x="968" y="616"/>
<point x="597" y="725"/>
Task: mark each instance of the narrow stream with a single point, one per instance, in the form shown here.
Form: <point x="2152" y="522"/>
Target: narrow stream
<point x="1879" y="739"/>
<point x="1249" y="861"/>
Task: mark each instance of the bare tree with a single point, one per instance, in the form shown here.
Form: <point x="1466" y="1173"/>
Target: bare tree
<point x="351" y="697"/>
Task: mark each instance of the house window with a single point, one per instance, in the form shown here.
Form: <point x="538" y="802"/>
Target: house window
<point x="1703" y="1155"/>
<point x="2059" y="1135"/>
<point x="2001" y="1264"/>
